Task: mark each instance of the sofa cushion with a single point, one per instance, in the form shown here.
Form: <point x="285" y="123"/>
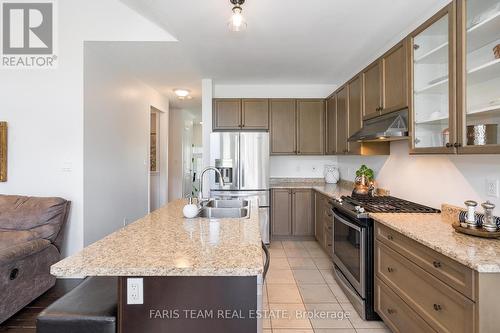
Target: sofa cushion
<point x="10" y="238"/>
<point x="19" y="251"/>
<point x="44" y="217"/>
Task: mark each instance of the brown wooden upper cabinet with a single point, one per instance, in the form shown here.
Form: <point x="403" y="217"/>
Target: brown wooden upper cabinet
<point x="372" y="89"/>
<point x="240" y="114"/>
<point x="395" y="78"/>
<point x="342" y="120"/>
<point x="310" y="126"/>
<point x="255" y="114"/>
<point x="227" y="114"/>
<point x="331" y="125"/>
<point x="297" y="126"/>
<point x="355" y="120"/>
<point x="283" y="135"/>
<point x="478" y="75"/>
<point x="432" y="109"/>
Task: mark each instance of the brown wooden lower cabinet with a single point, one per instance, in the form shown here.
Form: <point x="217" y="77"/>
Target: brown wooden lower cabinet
<point x="397" y="315"/>
<point x="323" y="222"/>
<point x="292" y="213"/>
<point x="420" y="290"/>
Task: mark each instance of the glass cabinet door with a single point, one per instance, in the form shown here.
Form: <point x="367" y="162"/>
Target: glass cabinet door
<point x="480" y="121"/>
<point x="432" y="81"/>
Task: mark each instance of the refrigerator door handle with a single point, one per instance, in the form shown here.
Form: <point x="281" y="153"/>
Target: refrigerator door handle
<point x="242" y="175"/>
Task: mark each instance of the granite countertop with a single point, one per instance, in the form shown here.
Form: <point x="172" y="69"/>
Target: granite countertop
<point x="318" y="184"/>
<point x="164" y="243"/>
<point x="435" y="231"/>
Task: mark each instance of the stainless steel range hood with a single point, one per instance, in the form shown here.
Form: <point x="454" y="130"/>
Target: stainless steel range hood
<point x="389" y="127"/>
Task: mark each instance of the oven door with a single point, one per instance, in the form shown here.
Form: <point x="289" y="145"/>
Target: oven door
<point x="349" y="241"/>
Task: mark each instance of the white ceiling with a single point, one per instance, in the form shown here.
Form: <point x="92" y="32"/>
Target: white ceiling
<point x="161" y="65"/>
<point x="287" y="41"/>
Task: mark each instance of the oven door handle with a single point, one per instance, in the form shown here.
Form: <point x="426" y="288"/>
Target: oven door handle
<point x="341" y="219"/>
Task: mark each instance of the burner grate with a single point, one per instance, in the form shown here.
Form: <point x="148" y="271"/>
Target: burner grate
<point x="388" y="204"/>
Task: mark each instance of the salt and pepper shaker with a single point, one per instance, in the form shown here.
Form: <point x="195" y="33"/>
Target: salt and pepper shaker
<point x="471" y="213"/>
<point x="489" y="223"/>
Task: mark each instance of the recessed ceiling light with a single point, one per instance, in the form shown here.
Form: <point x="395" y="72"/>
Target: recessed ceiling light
<point x="237" y="21"/>
<point x="182" y="92"/>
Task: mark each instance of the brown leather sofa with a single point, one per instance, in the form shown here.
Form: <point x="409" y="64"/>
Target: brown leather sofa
<point x="31" y="232"/>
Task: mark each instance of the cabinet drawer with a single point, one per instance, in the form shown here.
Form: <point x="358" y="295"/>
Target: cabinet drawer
<point x="397" y="314"/>
<point x="454" y="274"/>
<point x="443" y="308"/>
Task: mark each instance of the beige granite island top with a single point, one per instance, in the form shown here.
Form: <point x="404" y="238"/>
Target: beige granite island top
<point x="164" y="243"/>
<point x="435" y="231"/>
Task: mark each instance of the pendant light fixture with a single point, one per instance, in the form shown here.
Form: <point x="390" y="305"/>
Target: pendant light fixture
<point x="237" y="21"/>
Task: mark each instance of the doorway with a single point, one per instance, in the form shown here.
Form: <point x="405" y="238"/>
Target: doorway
<point x="157" y="159"/>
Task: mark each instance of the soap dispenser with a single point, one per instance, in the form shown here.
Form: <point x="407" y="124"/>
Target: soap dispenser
<point x="190" y="210"/>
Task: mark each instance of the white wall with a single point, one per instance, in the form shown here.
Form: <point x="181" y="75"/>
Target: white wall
<point x="207" y="91"/>
<point x="430" y="180"/>
<point x="273" y="91"/>
<point x="300" y="166"/>
<point x="44" y="108"/>
<point x="116" y="145"/>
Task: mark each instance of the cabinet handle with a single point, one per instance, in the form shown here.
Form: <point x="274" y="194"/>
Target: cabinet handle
<point x="389" y="237"/>
<point x="448" y="145"/>
<point x="436" y="264"/>
<point x="457" y="145"/>
<point x="437" y="307"/>
<point x="391" y="311"/>
<point x="390" y="269"/>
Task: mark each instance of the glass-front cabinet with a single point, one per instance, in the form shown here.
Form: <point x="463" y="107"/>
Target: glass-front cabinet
<point x="432" y="105"/>
<point x="479" y="76"/>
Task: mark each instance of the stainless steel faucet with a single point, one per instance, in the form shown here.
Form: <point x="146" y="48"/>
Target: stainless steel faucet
<point x="200" y="195"/>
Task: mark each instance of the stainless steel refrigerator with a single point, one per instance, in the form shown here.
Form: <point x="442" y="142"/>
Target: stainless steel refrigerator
<point x="243" y="160"/>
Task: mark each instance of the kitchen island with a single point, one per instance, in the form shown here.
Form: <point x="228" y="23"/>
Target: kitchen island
<point x="198" y="274"/>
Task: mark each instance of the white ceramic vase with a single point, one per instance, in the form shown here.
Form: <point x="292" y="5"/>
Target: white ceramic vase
<point x="332" y="174"/>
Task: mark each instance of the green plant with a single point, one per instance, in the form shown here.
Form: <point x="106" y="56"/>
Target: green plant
<point x="365" y="171"/>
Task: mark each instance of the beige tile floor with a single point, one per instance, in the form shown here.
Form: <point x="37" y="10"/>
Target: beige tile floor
<point x="300" y="279"/>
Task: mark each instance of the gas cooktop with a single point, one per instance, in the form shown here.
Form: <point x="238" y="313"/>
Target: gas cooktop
<point x="386" y="204"/>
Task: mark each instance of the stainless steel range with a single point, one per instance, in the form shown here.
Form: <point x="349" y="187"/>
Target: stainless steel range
<point x="353" y="244"/>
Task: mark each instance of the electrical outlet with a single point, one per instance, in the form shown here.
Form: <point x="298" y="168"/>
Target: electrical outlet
<point x="492" y="188"/>
<point x="135" y="292"/>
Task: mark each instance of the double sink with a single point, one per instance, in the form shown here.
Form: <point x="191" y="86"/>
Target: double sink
<point x="220" y="209"/>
